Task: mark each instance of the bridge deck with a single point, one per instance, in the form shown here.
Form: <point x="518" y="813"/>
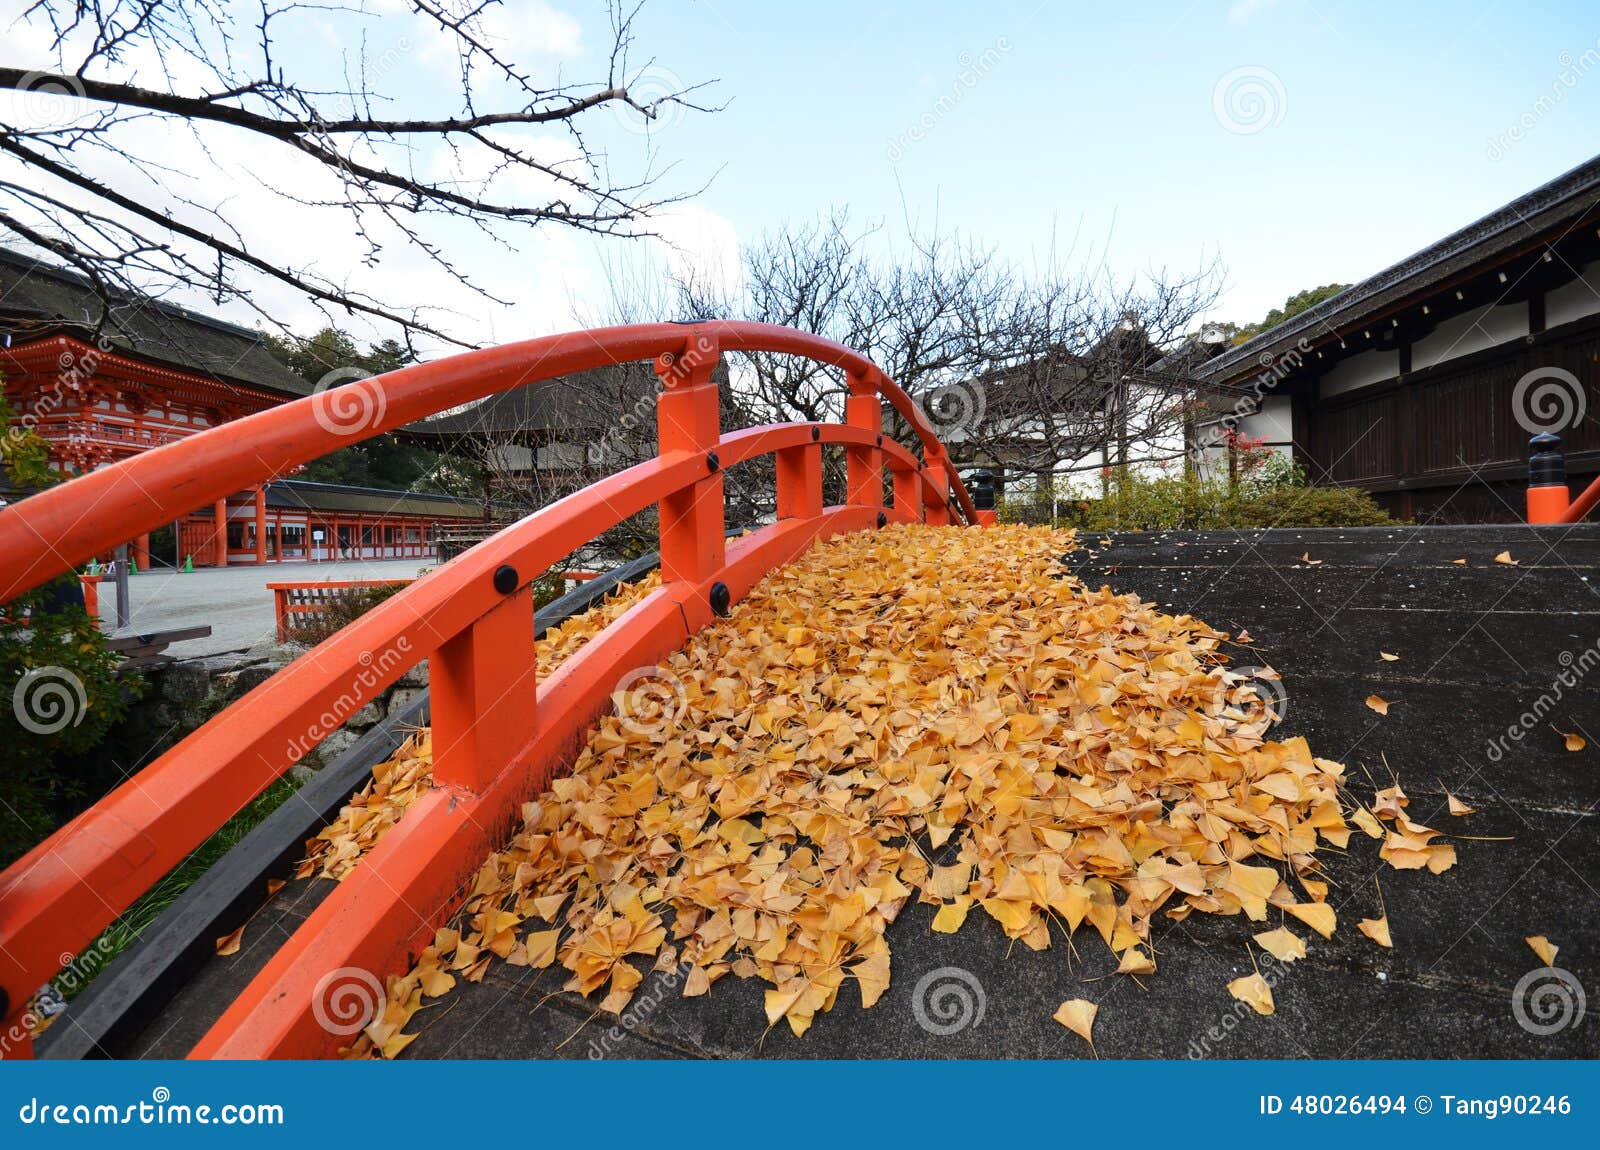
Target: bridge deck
<point x="1480" y="645"/>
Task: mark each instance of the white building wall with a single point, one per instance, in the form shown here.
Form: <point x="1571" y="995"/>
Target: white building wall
<point x="1359" y="371"/>
<point x="1477" y="330"/>
<point x="1574" y="300"/>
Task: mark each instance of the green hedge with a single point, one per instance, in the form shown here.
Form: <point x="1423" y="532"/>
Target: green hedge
<point x="1138" y="503"/>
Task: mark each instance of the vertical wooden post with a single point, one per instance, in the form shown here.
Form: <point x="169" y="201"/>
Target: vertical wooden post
<point x="688" y="418"/>
<point x="937" y="509"/>
<point x="907" y="492"/>
<point x="800" y="481"/>
<point x="220" y="543"/>
<point x="261" y="525"/>
<point x="864" y="465"/>
<point x="481" y="689"/>
<point x="141" y="551"/>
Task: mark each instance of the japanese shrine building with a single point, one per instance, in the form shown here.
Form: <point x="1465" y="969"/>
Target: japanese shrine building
<point x="1424" y="383"/>
<point x="153" y="373"/>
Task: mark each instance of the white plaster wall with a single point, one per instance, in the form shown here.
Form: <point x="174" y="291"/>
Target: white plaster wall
<point x="1361" y="370"/>
<point x="1477" y="330"/>
<point x="1575" y="300"/>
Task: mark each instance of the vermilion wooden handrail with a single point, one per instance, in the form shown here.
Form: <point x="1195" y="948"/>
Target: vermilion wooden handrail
<point x="495" y="741"/>
<point x="50" y="533"/>
<point x="1580" y="507"/>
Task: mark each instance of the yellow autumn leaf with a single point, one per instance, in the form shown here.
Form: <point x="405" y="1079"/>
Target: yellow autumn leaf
<point x="1377" y="929"/>
<point x="1283" y="944"/>
<point x="229" y="943"/>
<point x="1253" y="990"/>
<point x="951" y="915"/>
<point x="1387" y="657"/>
<point x="1077" y="1015"/>
<point x="1543" y="947"/>
<point x="912" y="715"/>
<point x="1505" y="558"/>
<point x="1457" y="807"/>
<point x="1378" y="703"/>
<point x="1575" y="742"/>
<point x="1318" y="916"/>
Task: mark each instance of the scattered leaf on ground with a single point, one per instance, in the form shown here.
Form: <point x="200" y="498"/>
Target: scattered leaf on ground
<point x="1543" y="947"/>
<point x="1077" y="1015"/>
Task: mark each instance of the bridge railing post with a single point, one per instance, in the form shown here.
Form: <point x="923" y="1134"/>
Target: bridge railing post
<point x="864" y="464"/>
<point x="482" y="690"/>
<point x="688" y="418"/>
<point x="1548" y="496"/>
<point x="936" y="510"/>
<point x="799" y="472"/>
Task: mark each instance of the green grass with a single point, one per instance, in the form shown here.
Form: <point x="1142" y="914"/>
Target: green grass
<point x="133" y="922"/>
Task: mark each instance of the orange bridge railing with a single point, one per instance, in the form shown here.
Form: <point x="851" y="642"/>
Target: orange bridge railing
<point x="497" y="738"/>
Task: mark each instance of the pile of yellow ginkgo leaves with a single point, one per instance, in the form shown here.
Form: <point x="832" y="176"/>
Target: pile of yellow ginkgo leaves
<point x="940" y="714"/>
<point x="404" y="777"/>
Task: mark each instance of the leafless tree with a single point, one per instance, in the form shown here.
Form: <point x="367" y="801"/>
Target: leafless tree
<point x="1030" y="372"/>
<point x="86" y="173"/>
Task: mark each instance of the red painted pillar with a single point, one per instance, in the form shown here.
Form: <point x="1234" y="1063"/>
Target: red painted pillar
<point x="261" y="524"/>
<point x="220" y="542"/>
<point x="141" y="552"/>
<point x="688" y="419"/>
<point x="863" y="409"/>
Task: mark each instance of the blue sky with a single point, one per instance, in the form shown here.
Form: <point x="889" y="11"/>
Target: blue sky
<point x="1099" y="121"/>
<point x="1298" y="141"/>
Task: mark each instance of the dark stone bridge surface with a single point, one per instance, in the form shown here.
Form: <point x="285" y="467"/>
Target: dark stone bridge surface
<point x="1486" y="649"/>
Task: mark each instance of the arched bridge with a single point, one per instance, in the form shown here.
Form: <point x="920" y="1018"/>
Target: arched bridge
<point x="498" y="735"/>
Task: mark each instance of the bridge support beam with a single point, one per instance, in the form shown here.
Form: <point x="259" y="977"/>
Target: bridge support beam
<point x="688" y="419"/>
<point x="864" y="465"/>
<point x="482" y="688"/>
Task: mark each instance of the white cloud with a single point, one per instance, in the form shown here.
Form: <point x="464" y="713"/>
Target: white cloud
<point x="1244" y="10"/>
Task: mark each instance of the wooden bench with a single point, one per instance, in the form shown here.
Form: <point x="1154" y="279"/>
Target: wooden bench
<point x="142" y="652"/>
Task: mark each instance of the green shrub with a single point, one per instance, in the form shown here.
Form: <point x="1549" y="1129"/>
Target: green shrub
<point x="1184" y="502"/>
<point x="62" y="695"/>
<point x="1308" y="507"/>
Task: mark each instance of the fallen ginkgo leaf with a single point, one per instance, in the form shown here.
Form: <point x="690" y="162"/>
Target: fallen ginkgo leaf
<point x="1077" y="1015"/>
<point x="1378" y="703"/>
<point x="1543" y="947"/>
<point x="1377" y="929"/>
<point x="1253" y="990"/>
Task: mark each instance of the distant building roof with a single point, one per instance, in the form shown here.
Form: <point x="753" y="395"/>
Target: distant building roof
<point x="1555" y="205"/>
<point x="38" y="299"/>
<point x="338" y="497"/>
